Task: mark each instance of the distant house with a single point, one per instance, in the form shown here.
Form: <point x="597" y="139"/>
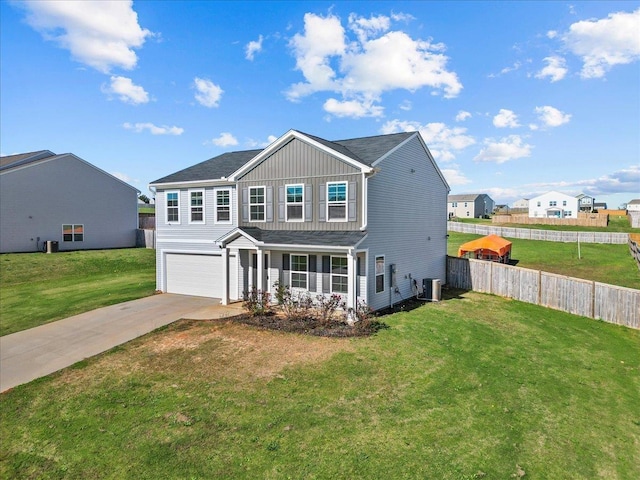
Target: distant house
<point x="585" y="203"/>
<point x="522" y="204"/>
<point x="553" y="205"/>
<point x="474" y="205"/>
<point x="633" y="205"/>
<point x="65" y="199"/>
<point x="599" y="206"/>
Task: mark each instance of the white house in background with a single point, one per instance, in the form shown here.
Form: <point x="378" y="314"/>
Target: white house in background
<point x="473" y="205"/>
<point x="553" y="205"/>
<point x="633" y="205"/>
<point x="64" y="199"/>
<point x="363" y="218"/>
<point x="522" y="204"/>
<point x="585" y="203"/>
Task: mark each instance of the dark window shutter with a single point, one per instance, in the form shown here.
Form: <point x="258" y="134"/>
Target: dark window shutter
<point x="285" y="261"/>
<point x="308" y="203"/>
<point x="353" y="203"/>
<point x="326" y="274"/>
<point x="269" y="206"/>
<point x="245" y="204"/>
<point x="313" y="263"/>
<point x="284" y="272"/>
<point x="322" y="209"/>
<point x="313" y="268"/>
<point x="281" y="203"/>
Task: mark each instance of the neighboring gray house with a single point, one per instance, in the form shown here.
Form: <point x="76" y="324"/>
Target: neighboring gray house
<point x="62" y="198"/>
<point x="474" y="205"/>
<point x="363" y="218"/>
<point x="585" y="203"/>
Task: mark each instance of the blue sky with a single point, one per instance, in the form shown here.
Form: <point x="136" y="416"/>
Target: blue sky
<point x="512" y="98"/>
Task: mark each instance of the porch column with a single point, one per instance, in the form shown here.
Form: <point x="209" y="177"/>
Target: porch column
<point x="225" y="276"/>
<point x="351" y="279"/>
<point x="259" y="282"/>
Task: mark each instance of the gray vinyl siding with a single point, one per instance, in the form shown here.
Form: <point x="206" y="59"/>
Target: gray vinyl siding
<point x="299" y="163"/>
<point x="407" y="215"/>
<point x="36" y="200"/>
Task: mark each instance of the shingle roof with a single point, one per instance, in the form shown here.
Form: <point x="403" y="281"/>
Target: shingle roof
<point x="12" y="161"/>
<point x="299" y="237"/>
<point x="365" y="150"/>
<point x="471" y="197"/>
<point x="635" y="201"/>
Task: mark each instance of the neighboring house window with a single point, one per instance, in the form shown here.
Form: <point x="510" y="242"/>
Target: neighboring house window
<point x="467" y="214"/>
<point x="196" y="206"/>
<point x="72" y="233"/>
<point x="380" y="274"/>
<point x="223" y="206"/>
<point x="339" y="278"/>
<point x="454" y="204"/>
<point x="567" y="213"/>
<point x="299" y="271"/>
<point x="256" y="204"/>
<point x="552" y="203"/>
<point x="337" y="201"/>
<point x="538" y="203"/>
<point x="465" y="204"/>
<point x="295" y="203"/>
<point x="564" y="203"/>
<point x="173" y="207"/>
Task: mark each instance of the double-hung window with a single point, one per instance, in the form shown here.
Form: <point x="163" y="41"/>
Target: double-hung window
<point x="552" y="203"/>
<point x="336" y="201"/>
<point x="196" y="206"/>
<point x="256" y="204"/>
<point x="173" y="207"/>
<point x="299" y="269"/>
<point x="339" y="278"/>
<point x="223" y="206"/>
<point x="380" y="274"/>
<point x="295" y="203"/>
<point x="72" y="233"/>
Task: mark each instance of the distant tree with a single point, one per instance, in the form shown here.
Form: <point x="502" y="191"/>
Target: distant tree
<point x="623" y="206"/>
<point x="144" y="198"/>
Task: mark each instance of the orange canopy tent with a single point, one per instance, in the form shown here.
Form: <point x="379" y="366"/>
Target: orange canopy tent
<point x="491" y="247"/>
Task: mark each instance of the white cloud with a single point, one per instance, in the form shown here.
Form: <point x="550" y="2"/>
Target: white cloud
<point x="505" y="70"/>
<point x="604" y="43"/>
<point x="454" y="176"/>
<point x="462" y="116"/>
<point x="258" y="144"/>
<point x="101" y="34"/>
<point x="124" y="177"/>
<point x="503" y="150"/>
<point x="126" y="91"/>
<point x="555" y="69"/>
<point x="552" y="117"/>
<point x="209" y="93"/>
<point x="253" y="47"/>
<point x="225" y="140"/>
<point x="506" y="118"/>
<point x="352" y="108"/>
<point x="153" y="129"/>
<point x="621" y="181"/>
<point x="361" y="69"/>
<point x="406" y="105"/>
<point x="442" y="140"/>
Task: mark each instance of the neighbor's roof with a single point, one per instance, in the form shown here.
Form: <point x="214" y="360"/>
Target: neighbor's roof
<point x="635" y="201"/>
<point x="494" y="243"/>
<point x="365" y="150"/>
<point x="13" y="161"/>
<point x="470" y="197"/>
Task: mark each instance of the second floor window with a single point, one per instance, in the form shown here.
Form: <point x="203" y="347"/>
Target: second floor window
<point x="295" y="202"/>
<point x="173" y="207"/>
<point x="552" y="203"/>
<point x="256" y="204"/>
<point x="196" y="206"/>
<point x="223" y="206"/>
<point x="337" y="201"/>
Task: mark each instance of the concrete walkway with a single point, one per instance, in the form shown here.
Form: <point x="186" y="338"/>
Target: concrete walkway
<point x="39" y="351"/>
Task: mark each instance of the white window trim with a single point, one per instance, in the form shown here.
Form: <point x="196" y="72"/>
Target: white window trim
<point x="292" y="271"/>
<point x="345" y="275"/>
<point x="191" y="221"/>
<point x="286" y="203"/>
<point x="346" y="203"/>
<point x="166" y="207"/>
<point x="384" y="273"/>
<point x="73" y="229"/>
<point x="215" y="202"/>
<point x="264" y="204"/>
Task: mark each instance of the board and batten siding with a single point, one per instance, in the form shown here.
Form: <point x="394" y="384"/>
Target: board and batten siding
<point x="36" y="200"/>
<point x="300" y="163"/>
<point x="407" y="222"/>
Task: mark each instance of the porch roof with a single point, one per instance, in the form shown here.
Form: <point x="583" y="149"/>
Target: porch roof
<point x="295" y="238"/>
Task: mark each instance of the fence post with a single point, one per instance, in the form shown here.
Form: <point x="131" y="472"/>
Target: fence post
<point x="593" y="299"/>
<point x="539" y="287"/>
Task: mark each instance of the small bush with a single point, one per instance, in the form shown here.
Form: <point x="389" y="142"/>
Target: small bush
<point x="257" y="302"/>
<point x="326" y="307"/>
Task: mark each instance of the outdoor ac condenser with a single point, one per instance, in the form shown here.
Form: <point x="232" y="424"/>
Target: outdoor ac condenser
<point x="431" y="289"/>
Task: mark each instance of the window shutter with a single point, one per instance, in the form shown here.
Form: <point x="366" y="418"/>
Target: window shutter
<point x="313" y="268"/>
<point x="245" y="204"/>
<point x="284" y="273"/>
<point x="308" y="203"/>
<point x="322" y="209"/>
<point x="269" y="205"/>
<point x="353" y="203"/>
<point x="326" y="274"/>
<point x="281" y="204"/>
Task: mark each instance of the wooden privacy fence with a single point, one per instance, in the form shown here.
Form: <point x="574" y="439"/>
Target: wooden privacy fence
<point x="584" y="219"/>
<point x="634" y="247"/>
<point x="145" y="238"/>
<point x="536" y="234"/>
<point x="596" y="300"/>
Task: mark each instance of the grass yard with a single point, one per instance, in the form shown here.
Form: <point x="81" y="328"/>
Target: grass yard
<point x="604" y="263"/>
<point x="472" y="387"/>
<point x="39" y="288"/>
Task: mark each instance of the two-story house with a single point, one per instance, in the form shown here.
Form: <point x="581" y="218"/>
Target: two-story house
<point x="474" y="205"/>
<point x="553" y="205"/>
<point x="363" y="218"/>
<point x="585" y="203"/>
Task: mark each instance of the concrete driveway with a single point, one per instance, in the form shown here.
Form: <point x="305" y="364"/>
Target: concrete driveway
<point x="39" y="351"/>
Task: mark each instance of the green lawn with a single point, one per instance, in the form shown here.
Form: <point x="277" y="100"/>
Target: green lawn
<point x="39" y="288"/>
<point x="604" y="263"/>
<point x="472" y="387"/>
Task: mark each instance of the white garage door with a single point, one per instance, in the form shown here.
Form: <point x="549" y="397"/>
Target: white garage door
<point x="199" y="275"/>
